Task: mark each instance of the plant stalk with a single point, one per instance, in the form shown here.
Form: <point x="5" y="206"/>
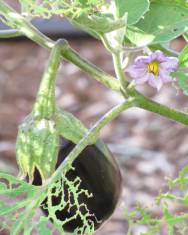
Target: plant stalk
<point x="9" y="33"/>
<point x="45" y="105"/>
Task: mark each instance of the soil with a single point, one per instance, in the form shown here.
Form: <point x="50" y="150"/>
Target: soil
<point x="148" y="148"/>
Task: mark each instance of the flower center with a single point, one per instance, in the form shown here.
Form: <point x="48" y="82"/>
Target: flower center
<point x="153" y="67"/>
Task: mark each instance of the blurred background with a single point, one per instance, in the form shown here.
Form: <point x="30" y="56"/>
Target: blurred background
<point x="147" y="147"/>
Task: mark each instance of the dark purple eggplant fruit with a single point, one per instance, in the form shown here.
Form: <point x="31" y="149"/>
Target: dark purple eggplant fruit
<point x="99" y="174"/>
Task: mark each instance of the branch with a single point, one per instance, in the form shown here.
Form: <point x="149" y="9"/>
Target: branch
<point x="45" y="105"/>
<point x="119" y="71"/>
<point x="150" y="105"/>
<point x="107" y="80"/>
<point x="10" y="33"/>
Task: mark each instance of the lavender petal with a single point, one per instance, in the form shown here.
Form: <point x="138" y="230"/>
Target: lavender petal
<point x="170" y="64"/>
<point x="155" y="82"/>
<point x="165" y="76"/>
<point x="158" y="55"/>
<point x="142" y="61"/>
<point x="143" y="79"/>
<point x="135" y="72"/>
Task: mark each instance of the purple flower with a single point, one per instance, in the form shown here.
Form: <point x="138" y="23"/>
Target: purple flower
<point x="154" y="69"/>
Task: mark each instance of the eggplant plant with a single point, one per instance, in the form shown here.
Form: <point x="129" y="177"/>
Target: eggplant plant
<point x="65" y="169"/>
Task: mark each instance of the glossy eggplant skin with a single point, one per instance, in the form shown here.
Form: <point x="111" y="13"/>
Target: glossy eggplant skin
<point x="99" y="174"/>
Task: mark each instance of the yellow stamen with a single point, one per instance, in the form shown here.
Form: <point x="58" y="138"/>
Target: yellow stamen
<point x="153" y="67"/>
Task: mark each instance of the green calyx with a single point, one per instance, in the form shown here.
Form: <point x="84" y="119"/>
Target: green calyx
<point x="37" y="147"/>
<point x="39" y="135"/>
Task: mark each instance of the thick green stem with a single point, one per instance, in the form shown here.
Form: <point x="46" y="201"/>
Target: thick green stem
<point x="106" y="43"/>
<point x="45" y="105"/>
<point x="116" y="56"/>
<point x="119" y="71"/>
<point x="10" y="33"/>
<point x="109" y="81"/>
<point x="150" y="105"/>
<point x="89" y="138"/>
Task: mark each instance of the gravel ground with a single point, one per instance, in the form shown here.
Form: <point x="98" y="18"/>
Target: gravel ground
<point x="147" y="147"/>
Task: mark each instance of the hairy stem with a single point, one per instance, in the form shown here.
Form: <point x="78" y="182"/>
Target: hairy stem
<point x="116" y="56"/>
<point x="119" y="71"/>
<point x="109" y="81"/>
<point x="170" y="113"/>
<point x="45" y="105"/>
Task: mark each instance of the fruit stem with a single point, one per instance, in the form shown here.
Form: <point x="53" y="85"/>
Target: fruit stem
<point x="45" y="105"/>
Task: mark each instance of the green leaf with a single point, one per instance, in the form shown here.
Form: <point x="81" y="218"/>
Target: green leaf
<point x="21" y="224"/>
<point x="69" y="126"/>
<point x="76" y="191"/>
<point x="164" y="47"/>
<point x="18" y="215"/>
<point x="6" y="208"/>
<point x="2" y="186"/>
<point x="185" y="35"/>
<point x="10" y="210"/>
<point x="42" y="226"/>
<point x="16" y="187"/>
<point x="102" y="23"/>
<point x="139" y="37"/>
<point x="174" y="221"/>
<point x="135" y="9"/>
<point x="182" y="79"/>
<point x="183" y="57"/>
<point x="182" y="73"/>
<point x="164" y="21"/>
<point x="48" y="8"/>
